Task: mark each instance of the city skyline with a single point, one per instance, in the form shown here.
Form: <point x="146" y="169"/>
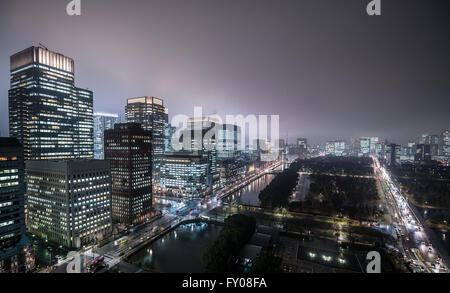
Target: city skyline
<point x="326" y="80"/>
<point x="224" y="136"/>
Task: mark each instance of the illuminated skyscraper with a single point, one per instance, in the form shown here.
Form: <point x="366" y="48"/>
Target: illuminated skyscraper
<point x="51" y="117"/>
<point x="128" y="147"/>
<point x="152" y="115"/>
<point x="102" y="122"/>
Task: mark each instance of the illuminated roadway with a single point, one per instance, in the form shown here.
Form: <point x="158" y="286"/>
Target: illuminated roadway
<point x="413" y="240"/>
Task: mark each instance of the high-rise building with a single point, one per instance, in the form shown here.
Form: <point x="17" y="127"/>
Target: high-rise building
<point x="102" y="122"/>
<point x="423" y="153"/>
<point x="302" y="145"/>
<point x="228" y="141"/>
<point x="364" y="146"/>
<point x="335" y="148"/>
<point x="169" y="131"/>
<point x="15" y="253"/>
<point x="128" y="147"/>
<point x="445" y="143"/>
<point x="407" y="153"/>
<point x="185" y="174"/>
<point x="374" y="141"/>
<point x="393" y="154"/>
<point x="329" y="148"/>
<point x="201" y="136"/>
<point x="151" y="113"/>
<point x="51" y="117"/>
<point x="69" y="201"/>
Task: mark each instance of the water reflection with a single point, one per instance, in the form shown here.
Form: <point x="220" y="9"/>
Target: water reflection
<point x="178" y="251"/>
<point x="249" y="194"/>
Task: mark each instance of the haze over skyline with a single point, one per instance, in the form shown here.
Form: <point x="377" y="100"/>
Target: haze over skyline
<point x="329" y="70"/>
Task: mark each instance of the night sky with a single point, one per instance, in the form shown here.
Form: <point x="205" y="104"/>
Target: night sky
<point x="327" y="68"/>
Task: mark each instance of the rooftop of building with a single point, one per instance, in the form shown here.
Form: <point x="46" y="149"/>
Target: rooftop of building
<point x="8" y="142"/>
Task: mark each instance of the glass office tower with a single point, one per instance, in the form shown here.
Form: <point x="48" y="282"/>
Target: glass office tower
<point x="102" y="122"/>
<point x="51" y="117"/>
<point x="152" y="115"/>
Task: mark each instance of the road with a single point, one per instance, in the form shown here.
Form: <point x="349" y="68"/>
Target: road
<point x="302" y="187"/>
<point x="413" y="240"/>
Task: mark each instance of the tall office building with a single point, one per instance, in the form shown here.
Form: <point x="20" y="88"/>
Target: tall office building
<point x="69" y="201"/>
<point x="445" y="143"/>
<point x="228" y="141"/>
<point x="335" y="148"/>
<point x="102" y="122"/>
<point x="374" y="142"/>
<point x="51" y="117"/>
<point x="364" y="146"/>
<point x="302" y="145"/>
<point x="407" y="153"/>
<point x="423" y="153"/>
<point x="15" y="253"/>
<point x="393" y="154"/>
<point x="329" y="148"/>
<point x="128" y="147"/>
<point x="169" y="131"/>
<point x="201" y="136"/>
<point x="151" y="113"/>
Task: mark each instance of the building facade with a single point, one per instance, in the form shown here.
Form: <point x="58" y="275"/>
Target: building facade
<point x="128" y="147"/>
<point x="151" y="113"/>
<point x="102" y="122"/>
<point x="335" y="148"/>
<point x="69" y="202"/>
<point x="184" y="174"/>
<point x="228" y="141"/>
<point x="16" y="254"/>
<point x="364" y="146"/>
<point x="445" y="142"/>
<point x="50" y="117"/>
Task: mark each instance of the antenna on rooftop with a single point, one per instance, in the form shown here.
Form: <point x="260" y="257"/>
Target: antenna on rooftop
<point x="43" y="46"/>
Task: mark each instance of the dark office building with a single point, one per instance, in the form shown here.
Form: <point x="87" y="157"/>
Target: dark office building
<point x="51" y="117"/>
<point x="15" y="252"/>
<point x="423" y="153"/>
<point x="152" y="115"/>
<point x="128" y="147"/>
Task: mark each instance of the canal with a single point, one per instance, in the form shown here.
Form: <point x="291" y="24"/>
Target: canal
<point x="249" y="194"/>
<point x="180" y="250"/>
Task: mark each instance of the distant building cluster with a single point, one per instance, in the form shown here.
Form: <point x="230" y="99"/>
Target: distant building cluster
<point x="423" y="150"/>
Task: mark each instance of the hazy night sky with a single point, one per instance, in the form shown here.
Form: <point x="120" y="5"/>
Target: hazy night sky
<point x="327" y="68"/>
